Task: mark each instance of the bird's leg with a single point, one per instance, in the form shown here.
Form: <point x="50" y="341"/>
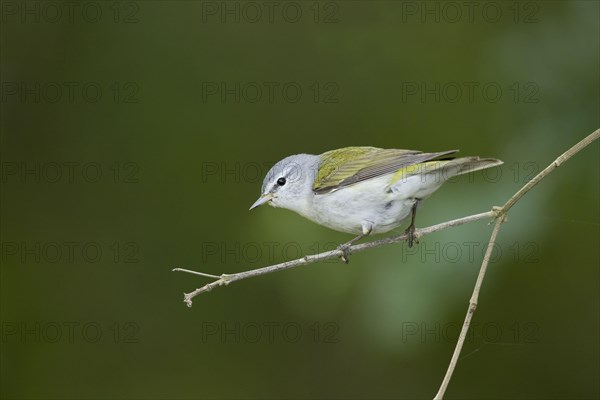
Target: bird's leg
<point x="345" y="247"/>
<point x="410" y="231"/>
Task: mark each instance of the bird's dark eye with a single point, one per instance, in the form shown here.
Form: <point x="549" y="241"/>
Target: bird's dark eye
<point x="281" y="181"/>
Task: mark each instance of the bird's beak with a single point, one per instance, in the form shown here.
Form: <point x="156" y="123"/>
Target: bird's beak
<point x="262" y="200"/>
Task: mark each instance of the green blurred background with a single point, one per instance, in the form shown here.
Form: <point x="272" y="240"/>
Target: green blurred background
<point x="182" y="158"/>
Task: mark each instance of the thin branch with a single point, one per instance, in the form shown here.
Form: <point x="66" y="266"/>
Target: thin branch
<point x="226" y="279"/>
<point x="555" y="164"/>
<point x="470" y="312"/>
<point x="500" y="218"/>
<point x="189" y="271"/>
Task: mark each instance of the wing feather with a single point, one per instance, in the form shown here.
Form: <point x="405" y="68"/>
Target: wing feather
<point x="344" y="167"/>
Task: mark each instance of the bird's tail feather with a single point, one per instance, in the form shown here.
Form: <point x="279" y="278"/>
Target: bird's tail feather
<point x="472" y="164"/>
<point x="457" y="166"/>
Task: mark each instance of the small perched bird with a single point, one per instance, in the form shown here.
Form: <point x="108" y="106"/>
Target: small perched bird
<point x="362" y="190"/>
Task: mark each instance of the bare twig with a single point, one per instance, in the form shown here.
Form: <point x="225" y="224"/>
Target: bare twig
<point x="226" y="279"/>
<point x="470" y="311"/>
<point x="500" y="218"/>
<point x="555" y="164"/>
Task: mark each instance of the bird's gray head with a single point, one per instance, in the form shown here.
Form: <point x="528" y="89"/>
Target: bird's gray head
<point x="289" y="183"/>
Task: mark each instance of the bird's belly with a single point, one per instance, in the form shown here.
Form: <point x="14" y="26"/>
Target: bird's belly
<point x="354" y="207"/>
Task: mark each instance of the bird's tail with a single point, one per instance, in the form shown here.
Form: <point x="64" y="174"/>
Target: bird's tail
<point x="464" y="165"/>
<point x="432" y="174"/>
<point x="445" y="169"/>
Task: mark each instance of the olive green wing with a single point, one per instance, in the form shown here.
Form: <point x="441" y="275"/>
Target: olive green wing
<point x="344" y="167"/>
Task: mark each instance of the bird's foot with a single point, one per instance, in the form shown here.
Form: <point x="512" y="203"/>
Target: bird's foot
<point x="345" y="248"/>
<point x="411" y="237"/>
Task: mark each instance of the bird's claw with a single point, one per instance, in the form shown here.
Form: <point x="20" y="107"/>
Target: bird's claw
<point x="411" y="237"/>
<point x="345" y="249"/>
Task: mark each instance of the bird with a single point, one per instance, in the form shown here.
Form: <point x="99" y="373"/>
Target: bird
<point x="362" y="190"/>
